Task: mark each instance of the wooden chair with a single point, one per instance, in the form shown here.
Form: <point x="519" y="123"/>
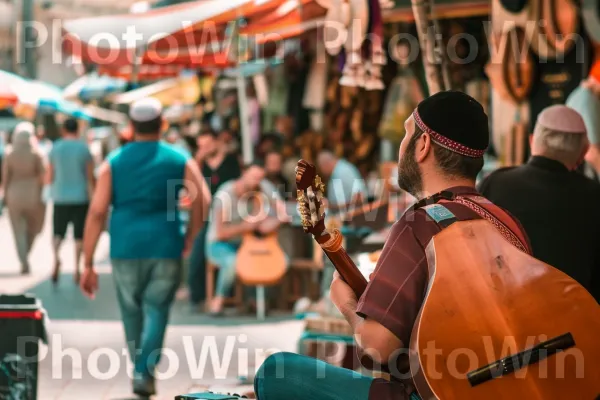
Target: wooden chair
<point x="238" y="298"/>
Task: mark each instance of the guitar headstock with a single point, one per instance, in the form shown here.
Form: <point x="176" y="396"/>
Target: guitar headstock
<point x="310" y="192"/>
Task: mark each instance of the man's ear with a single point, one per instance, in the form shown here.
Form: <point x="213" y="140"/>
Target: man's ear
<point x="423" y="147"/>
<point x="530" y="141"/>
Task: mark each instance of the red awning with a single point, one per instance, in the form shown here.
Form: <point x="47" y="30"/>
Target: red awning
<point x="145" y="73"/>
<point x="197" y="38"/>
<point x="112" y="40"/>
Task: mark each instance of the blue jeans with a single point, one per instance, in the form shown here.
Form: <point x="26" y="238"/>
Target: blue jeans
<point x="197" y="268"/>
<point x="223" y="255"/>
<point x="145" y="290"/>
<point x="289" y="376"/>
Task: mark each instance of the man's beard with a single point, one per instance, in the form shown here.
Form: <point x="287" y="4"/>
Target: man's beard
<point x="409" y="175"/>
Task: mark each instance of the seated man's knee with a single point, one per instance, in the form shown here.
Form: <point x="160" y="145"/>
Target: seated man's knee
<point x="272" y="372"/>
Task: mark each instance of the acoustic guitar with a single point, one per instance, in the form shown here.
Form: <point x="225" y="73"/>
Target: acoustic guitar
<point x="260" y="259"/>
<point x="495" y="322"/>
<point x="506" y="324"/>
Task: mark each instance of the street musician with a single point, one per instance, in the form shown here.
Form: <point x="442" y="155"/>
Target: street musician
<point x="439" y="160"/>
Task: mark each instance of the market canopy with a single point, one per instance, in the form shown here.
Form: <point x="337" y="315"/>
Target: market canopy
<point x="114" y="39"/>
<point x="93" y="86"/>
<point x="30" y="97"/>
<point x="181" y="90"/>
<point x="9" y="89"/>
<point x="195" y="35"/>
<point x="401" y="10"/>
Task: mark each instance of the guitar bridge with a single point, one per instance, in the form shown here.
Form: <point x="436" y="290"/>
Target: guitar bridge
<point x="517" y="361"/>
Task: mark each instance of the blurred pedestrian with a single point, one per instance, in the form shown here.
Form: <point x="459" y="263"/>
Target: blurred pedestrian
<point x="218" y="166"/>
<point x="22" y="181"/>
<point x="142" y="181"/>
<point x="274" y="174"/>
<point x="585" y="99"/>
<point x="71" y="176"/>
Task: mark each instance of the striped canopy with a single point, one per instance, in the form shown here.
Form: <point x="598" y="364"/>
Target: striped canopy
<point x="193" y="35"/>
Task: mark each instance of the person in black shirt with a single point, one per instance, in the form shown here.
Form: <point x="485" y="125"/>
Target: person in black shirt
<point x="557" y="206"/>
<point x="217" y="166"/>
<point x="273" y="170"/>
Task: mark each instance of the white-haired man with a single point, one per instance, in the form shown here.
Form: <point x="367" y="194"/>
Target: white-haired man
<point x="557" y="206"/>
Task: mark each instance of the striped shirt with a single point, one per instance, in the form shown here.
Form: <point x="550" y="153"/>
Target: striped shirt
<point x="397" y="288"/>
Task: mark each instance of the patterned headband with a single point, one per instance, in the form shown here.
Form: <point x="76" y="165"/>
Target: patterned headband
<point x="445" y="142"/>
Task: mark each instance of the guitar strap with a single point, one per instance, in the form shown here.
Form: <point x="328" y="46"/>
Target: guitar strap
<point x="482" y="207"/>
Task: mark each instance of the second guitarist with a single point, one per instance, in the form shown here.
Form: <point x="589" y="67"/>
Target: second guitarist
<point x="233" y="215"/>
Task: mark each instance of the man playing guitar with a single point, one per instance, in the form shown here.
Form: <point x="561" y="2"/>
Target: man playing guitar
<point x="439" y="160"/>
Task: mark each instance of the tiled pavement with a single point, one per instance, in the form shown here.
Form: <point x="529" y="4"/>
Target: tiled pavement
<point x="85" y="359"/>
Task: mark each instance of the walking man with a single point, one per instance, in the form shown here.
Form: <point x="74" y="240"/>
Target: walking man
<point x="141" y="181"/>
<point x="71" y="176"/>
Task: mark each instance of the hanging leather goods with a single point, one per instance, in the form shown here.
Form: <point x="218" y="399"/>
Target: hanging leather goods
<point x="511" y="72"/>
<point x="515" y="142"/>
<point x="511" y="68"/>
<point x="377" y="53"/>
<point x="353" y="74"/>
<point x="590" y="12"/>
<point x="556" y="29"/>
<point x="335" y="31"/>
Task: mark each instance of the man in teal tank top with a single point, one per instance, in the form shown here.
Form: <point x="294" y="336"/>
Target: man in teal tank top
<point x="142" y="181"/>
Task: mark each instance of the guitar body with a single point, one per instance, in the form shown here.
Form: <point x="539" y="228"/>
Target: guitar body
<point x="487" y="300"/>
<point x="260" y="260"/>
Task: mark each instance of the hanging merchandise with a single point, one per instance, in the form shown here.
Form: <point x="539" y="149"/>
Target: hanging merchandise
<point x="336" y="26"/>
<point x="479" y="89"/>
<point x="511" y="75"/>
<point x="278" y="97"/>
<point x="314" y="95"/>
<point x="399" y="105"/>
<point x="377" y="55"/>
<point x="353" y="74"/>
<point x="557" y="79"/>
<point x="262" y="89"/>
<point x="316" y="86"/>
<point x="360" y="24"/>
<point x="558" y="33"/>
<point x="590" y="12"/>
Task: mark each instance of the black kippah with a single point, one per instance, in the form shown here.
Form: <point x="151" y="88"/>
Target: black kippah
<point x="456" y="121"/>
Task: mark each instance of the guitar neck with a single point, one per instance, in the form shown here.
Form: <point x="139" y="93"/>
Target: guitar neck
<point x="331" y="243"/>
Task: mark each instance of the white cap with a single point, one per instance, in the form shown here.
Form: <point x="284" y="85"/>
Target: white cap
<point x="25" y="127"/>
<point x="145" y="110"/>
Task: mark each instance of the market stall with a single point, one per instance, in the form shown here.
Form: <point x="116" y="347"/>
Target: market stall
<point x="557" y="43"/>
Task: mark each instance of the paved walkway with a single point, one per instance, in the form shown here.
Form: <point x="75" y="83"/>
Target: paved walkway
<point x="87" y="359"/>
